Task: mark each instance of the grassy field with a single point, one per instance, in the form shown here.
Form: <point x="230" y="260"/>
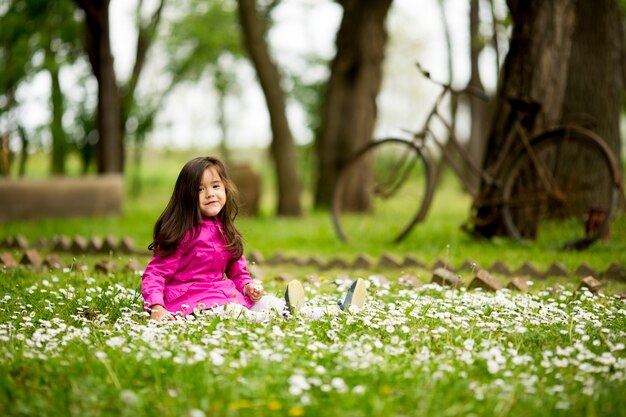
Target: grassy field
<point x="77" y="343"/>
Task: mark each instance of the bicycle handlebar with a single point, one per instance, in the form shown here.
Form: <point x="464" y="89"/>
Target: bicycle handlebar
<point x="470" y="89"/>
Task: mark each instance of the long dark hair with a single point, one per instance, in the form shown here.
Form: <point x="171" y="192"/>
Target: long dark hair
<point x="183" y="210"/>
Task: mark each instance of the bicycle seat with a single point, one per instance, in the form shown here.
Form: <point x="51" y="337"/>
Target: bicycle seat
<point x="525" y="105"/>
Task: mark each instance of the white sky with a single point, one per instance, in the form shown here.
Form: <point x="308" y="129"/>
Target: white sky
<point x="302" y="27"/>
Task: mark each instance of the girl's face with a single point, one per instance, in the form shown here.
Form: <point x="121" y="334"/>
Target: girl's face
<point x="212" y="193"/>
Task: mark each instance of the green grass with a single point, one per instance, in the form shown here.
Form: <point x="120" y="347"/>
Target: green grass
<point x="77" y="343"/>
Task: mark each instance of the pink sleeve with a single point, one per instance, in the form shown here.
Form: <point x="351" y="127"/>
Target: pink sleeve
<point x="237" y="271"/>
<point x="157" y="273"/>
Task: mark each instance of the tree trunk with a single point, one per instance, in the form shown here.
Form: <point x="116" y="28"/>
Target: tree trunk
<point x="478" y="107"/>
<point x="596" y="66"/>
<point x="535" y="68"/>
<point x="110" y="149"/>
<point x="350" y="109"/>
<point x="59" y="138"/>
<point x="282" y="146"/>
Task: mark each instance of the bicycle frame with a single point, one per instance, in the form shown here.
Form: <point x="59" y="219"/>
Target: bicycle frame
<point x="426" y="131"/>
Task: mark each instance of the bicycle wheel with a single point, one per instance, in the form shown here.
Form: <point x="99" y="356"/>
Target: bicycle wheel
<point x="567" y="185"/>
<point x="391" y="194"/>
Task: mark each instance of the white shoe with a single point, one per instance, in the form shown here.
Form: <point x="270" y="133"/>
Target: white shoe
<point x="355" y="296"/>
<point x="294" y="297"/>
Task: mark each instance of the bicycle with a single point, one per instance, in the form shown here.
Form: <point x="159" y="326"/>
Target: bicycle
<point x="396" y="178"/>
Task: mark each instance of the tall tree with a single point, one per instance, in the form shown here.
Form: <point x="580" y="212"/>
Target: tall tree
<point x="109" y="148"/>
<point x="552" y="61"/>
<point x="39" y="28"/>
<point x="282" y="147"/>
<point x="597" y="70"/>
<point x="349" y="113"/>
<point x="58" y="36"/>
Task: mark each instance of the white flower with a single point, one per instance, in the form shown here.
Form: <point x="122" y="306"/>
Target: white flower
<point x="298" y="384"/>
<point x="196" y="412"/>
<point x="492" y="366"/>
<point x="359" y="390"/>
<point x="216" y="358"/>
<point x="129" y="397"/>
<point x="339" y="384"/>
<point x="115" y="342"/>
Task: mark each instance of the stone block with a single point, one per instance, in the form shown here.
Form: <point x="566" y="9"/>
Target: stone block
<point x="248" y="184"/>
<point x="61" y="197"/>
<point x="40" y="243"/>
<point x="7" y="260"/>
<point x="484" y="281"/>
<point x="62" y="243"/>
<point x="591" y="284"/>
<point x="94" y="245"/>
<point x="585" y="270"/>
<point x="528" y="270"/>
<point x="7" y="242"/>
<point x="31" y="258"/>
<point x="318" y="262"/>
<point x="21" y="242"/>
<point x="556" y="270"/>
<point x="518" y="284"/>
<point x="500" y="267"/>
<point x="389" y="260"/>
<point x="109" y="244"/>
<point x="363" y="261"/>
<point x="276" y="259"/>
<point x="337" y="263"/>
<point x="409" y="281"/>
<point x="411" y="261"/>
<point x="616" y="272"/>
<point x="127" y="245"/>
<point x="53" y="262"/>
<point x="79" y="245"/>
<point x="440" y="263"/>
<point x="133" y="265"/>
<point x="447" y="278"/>
<point x="105" y="266"/>
<point x="255" y="257"/>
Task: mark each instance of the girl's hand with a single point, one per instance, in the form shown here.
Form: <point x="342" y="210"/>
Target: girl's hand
<point x="158" y="313"/>
<point x="254" y="291"/>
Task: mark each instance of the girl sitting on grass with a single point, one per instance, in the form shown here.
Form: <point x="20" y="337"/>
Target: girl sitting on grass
<point x="198" y="261"/>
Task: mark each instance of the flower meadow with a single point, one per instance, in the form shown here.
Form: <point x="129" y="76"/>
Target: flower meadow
<point x="75" y="344"/>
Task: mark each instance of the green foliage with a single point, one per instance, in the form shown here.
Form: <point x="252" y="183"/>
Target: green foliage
<point x="204" y="33"/>
<point x="40" y="36"/>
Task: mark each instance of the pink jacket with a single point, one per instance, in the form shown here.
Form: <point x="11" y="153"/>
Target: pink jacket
<point x="199" y="272"/>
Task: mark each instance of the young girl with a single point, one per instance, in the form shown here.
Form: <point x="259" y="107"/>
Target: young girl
<point x="198" y="260"/>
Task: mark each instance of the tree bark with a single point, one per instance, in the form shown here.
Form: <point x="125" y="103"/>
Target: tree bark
<point x="535" y="68"/>
<point x="59" y="138"/>
<point x="349" y="113"/>
<point x="282" y="147"/>
<point x="478" y="107"/>
<point x="596" y="65"/>
<point x="109" y="148"/>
